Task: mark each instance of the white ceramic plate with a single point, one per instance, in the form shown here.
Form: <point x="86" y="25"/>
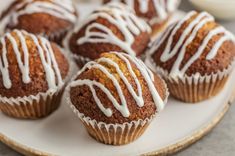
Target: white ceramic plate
<point x="63" y="134"/>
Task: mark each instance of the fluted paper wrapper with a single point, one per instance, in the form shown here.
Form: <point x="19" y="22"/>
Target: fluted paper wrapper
<point x="32" y="107"/>
<point x="113" y="134"/>
<point x="196" y="88"/>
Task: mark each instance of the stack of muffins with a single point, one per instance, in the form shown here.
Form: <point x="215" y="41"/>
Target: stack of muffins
<point x="114" y="94"/>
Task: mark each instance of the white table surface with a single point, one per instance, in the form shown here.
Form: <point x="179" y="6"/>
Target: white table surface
<point x="220" y="142"/>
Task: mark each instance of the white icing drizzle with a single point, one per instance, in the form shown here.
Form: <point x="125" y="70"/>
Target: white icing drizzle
<point x="4" y="66"/>
<point x="23" y="66"/>
<point x="180" y="47"/>
<point x="138" y="97"/>
<point x="59" y="8"/>
<point x="116" y="13"/>
<point x="46" y="55"/>
<point x="162" y="7"/>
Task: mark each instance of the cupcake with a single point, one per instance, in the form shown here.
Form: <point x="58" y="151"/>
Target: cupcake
<point x="112" y="27"/>
<point x="50" y="18"/>
<point x="32" y="74"/>
<point x="195" y="56"/>
<point x="116" y="97"/>
<point x="156" y="12"/>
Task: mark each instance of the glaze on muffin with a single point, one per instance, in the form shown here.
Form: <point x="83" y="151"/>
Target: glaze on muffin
<point x="155" y="12"/>
<point x="112" y="27"/>
<point x="196" y="44"/>
<point x="117" y="65"/>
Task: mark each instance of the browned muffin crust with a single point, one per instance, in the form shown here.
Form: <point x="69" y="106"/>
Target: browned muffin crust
<point x="40" y="23"/>
<point x="95" y="49"/>
<point x="37" y="74"/>
<point x="150" y="14"/>
<point x="221" y="61"/>
<point x="82" y="98"/>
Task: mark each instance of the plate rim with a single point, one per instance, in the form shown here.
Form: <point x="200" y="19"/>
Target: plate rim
<point x="191" y="139"/>
<point x="170" y="149"/>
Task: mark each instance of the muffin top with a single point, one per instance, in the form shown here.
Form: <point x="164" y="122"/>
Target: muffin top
<point x="117" y="88"/>
<point x="153" y="11"/>
<point x="29" y="65"/>
<point x="39" y="16"/>
<point x="112" y="27"/>
<point x="195" y="44"/>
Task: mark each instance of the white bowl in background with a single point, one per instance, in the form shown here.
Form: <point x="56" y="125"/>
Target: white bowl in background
<point x="221" y="9"/>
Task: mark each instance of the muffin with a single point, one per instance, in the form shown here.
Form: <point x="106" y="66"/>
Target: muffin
<point x="195" y="56"/>
<point x="156" y="12"/>
<point x="112" y="27"/>
<point x="50" y="18"/>
<point x="116" y="97"/>
<point x="32" y="74"/>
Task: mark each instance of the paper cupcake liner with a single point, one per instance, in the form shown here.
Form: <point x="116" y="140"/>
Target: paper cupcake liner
<point x="36" y="106"/>
<point x="113" y="134"/>
<point x="32" y="107"/>
<point x="197" y="87"/>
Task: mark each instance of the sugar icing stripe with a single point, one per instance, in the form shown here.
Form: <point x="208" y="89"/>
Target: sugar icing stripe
<point x="4" y="65"/>
<point x="22" y="65"/>
<point x="138" y="96"/>
<point x="162" y="7"/>
<point x="145" y="73"/>
<point x="187" y="42"/>
<point x="170" y="32"/>
<point x="168" y="54"/>
<point x="129" y="25"/>
<point x="46" y="55"/>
